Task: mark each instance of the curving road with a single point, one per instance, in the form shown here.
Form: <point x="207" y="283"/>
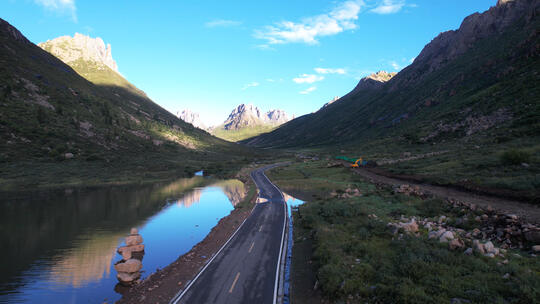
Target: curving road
<point x="245" y="270"/>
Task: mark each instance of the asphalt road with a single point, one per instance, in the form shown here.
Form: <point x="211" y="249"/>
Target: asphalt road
<point x="245" y="270"/>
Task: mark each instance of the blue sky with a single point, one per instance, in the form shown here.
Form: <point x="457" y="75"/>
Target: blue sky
<point x="210" y="56"/>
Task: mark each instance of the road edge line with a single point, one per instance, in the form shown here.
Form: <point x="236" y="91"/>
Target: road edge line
<point x="282" y="235"/>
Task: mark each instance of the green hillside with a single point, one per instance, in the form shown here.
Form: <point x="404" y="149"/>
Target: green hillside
<point x="479" y="109"/>
<point x="242" y="134"/>
<point x="58" y="128"/>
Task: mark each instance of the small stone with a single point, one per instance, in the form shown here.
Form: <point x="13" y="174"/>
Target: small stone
<point x="135" y="248"/>
<point x="412" y="226"/>
<point x="447" y="236"/>
<point x="469" y="251"/>
<point x="488" y="247"/>
<point x="506" y="276"/>
<point x="129" y="266"/>
<point x="512" y="216"/>
<point x="485" y="217"/>
<point x="124" y="277"/>
<point x="135" y="239"/>
<point x="456" y="244"/>
<point x="68" y="155"/>
<point x="536" y="248"/>
<point x="478" y="247"/>
<point x="532" y="236"/>
<point x="126" y="254"/>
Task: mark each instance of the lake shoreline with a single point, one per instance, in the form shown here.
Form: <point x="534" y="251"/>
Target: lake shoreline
<point x="162" y="285"/>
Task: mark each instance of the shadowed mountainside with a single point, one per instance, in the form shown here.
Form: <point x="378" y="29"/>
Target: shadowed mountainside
<point x="59" y="127"/>
<point x="471" y="95"/>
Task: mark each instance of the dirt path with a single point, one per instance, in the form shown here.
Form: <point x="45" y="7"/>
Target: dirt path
<point x="528" y="212"/>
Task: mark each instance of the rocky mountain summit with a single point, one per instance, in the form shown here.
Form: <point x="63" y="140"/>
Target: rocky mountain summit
<point x="336" y="98"/>
<point x="249" y="116"/>
<point x="191" y="117"/>
<point x="373" y="81"/>
<point x="70" y="49"/>
<point x="449" y="45"/>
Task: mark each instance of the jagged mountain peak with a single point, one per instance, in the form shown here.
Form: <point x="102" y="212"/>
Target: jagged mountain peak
<point x="69" y="49"/>
<point x="248" y="115"/>
<point x="191" y="117"/>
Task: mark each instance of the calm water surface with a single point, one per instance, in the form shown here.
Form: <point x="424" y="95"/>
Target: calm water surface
<point x="62" y="248"/>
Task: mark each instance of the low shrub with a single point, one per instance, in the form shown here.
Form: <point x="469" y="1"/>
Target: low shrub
<point x="515" y="157"/>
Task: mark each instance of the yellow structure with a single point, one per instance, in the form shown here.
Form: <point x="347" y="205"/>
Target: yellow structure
<point x="355" y="165"/>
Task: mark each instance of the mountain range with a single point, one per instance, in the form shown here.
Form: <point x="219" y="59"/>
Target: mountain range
<point x="473" y="71"/>
<point x="471" y="97"/>
<point x="244" y="121"/>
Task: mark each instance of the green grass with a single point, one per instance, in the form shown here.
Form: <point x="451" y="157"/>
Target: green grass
<point x="241" y="134"/>
<point x="357" y="260"/>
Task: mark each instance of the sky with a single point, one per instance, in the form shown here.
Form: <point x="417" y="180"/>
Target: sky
<point x="210" y="56"/>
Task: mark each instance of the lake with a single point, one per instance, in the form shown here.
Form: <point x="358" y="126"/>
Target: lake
<point x="61" y="247"/>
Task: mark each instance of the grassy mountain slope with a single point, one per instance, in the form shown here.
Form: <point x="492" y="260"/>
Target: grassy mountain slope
<point x="243" y="133"/>
<point x="57" y="127"/>
<point x="480" y="107"/>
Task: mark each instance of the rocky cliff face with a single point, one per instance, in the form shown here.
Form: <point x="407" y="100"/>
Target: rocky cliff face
<point x="449" y="45"/>
<point x="249" y="115"/>
<point x="70" y="49"/>
<point x="191" y="117"/>
<point x="373" y="81"/>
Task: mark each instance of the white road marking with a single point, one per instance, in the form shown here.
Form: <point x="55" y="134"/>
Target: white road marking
<point x="251" y="248"/>
<point x="234" y="283"/>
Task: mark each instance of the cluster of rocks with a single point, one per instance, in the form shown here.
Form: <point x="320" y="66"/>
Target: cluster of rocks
<point x="508" y="229"/>
<point x="504" y="229"/>
<point x="409" y="190"/>
<point x="128" y="269"/>
<point x="347" y="194"/>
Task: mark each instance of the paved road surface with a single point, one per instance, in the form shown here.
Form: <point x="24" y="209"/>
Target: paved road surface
<point x="245" y="270"/>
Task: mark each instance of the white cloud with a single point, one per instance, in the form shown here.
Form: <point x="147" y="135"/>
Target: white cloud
<point x="249" y="85"/>
<point x="395" y="65"/>
<point x="60" y="6"/>
<point x="308" y="78"/>
<point x="330" y="71"/>
<point x="389" y="7"/>
<point x="222" y="23"/>
<point x="412" y="59"/>
<point x="270" y="80"/>
<point x="308" y="30"/>
<point x="308" y="90"/>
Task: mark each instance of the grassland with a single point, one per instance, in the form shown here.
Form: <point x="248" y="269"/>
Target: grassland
<point x="243" y="133"/>
<point x="356" y="259"/>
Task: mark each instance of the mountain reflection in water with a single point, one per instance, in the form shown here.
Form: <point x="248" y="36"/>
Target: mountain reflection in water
<point x="66" y="244"/>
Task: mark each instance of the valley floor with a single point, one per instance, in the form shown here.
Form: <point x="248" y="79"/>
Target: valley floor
<point x="361" y="239"/>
